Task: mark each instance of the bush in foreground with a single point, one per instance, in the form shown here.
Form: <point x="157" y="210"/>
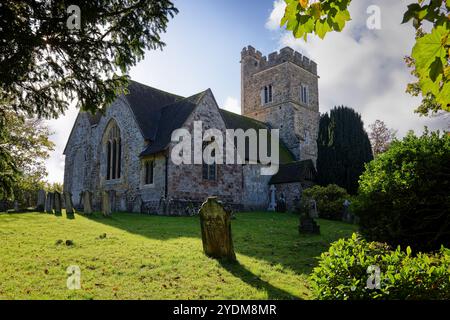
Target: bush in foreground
<point x="329" y="200"/>
<point x="344" y="272"/>
<point x="404" y="194"/>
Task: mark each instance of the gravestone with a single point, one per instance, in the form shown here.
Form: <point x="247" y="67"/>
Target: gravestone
<point x="123" y="203"/>
<point x="137" y="204"/>
<point x="16" y="206"/>
<point x="273" y="203"/>
<point x="49" y="203"/>
<point x="281" y="203"/>
<point x="87" y="203"/>
<point x="57" y="203"/>
<point x="313" y="209"/>
<point x="106" y="203"/>
<point x="307" y="223"/>
<point x="215" y="225"/>
<point x="69" y="205"/>
<point x="40" y="201"/>
<point x="347" y="216"/>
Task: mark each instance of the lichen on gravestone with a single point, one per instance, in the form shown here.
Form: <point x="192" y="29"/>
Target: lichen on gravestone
<point x="215" y="224"/>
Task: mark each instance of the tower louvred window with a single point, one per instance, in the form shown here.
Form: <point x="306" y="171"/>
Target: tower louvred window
<point x="304" y="94"/>
<point x="267" y="94"/>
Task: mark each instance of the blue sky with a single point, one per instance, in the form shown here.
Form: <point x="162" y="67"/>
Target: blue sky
<point x="204" y="42"/>
<point x="360" y="68"/>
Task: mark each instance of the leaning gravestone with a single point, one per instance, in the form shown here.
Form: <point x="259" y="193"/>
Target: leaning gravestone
<point x="41" y="201"/>
<point x="106" y="203"/>
<point x="87" y="202"/>
<point x="49" y="203"/>
<point x="215" y="224"/>
<point x="70" y="213"/>
<point x="57" y="203"/>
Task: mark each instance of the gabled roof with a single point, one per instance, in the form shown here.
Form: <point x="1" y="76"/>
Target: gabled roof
<point x="146" y="103"/>
<point x="159" y="113"/>
<point x="172" y="117"/>
<point x="298" y="171"/>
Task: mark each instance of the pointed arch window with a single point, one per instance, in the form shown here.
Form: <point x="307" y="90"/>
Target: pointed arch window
<point x="113" y="153"/>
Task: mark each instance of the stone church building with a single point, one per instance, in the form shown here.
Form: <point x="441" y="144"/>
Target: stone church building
<point x="126" y="150"/>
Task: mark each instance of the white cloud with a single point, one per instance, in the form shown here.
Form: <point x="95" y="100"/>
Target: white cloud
<point x="273" y="22"/>
<point x="364" y="68"/>
<point x="232" y="104"/>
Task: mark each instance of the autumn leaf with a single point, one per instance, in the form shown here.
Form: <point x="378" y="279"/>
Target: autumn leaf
<point x="303" y="3"/>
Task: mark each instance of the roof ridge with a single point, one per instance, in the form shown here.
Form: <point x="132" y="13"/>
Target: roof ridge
<point x="248" y="118"/>
<point x="153" y="88"/>
<point x="200" y="95"/>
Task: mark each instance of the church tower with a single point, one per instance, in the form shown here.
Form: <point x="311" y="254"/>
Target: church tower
<point x="282" y="91"/>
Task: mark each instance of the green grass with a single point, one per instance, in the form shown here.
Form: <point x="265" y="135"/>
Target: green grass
<point x="152" y="257"/>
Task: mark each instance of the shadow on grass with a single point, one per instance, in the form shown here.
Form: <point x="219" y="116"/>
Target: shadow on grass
<point x="272" y="237"/>
<point x="239" y="271"/>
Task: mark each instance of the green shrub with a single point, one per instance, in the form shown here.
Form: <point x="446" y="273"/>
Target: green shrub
<point x="329" y="200"/>
<point x="404" y="196"/>
<point x="343" y="272"/>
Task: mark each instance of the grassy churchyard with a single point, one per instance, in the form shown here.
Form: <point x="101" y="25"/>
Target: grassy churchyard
<point x="132" y="256"/>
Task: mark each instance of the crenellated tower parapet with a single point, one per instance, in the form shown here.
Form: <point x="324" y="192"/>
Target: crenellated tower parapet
<point x="281" y="89"/>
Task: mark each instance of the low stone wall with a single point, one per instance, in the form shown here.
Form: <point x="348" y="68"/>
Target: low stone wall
<point x="180" y="207"/>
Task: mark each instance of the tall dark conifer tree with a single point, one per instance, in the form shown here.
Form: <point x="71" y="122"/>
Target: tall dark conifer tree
<point x="344" y="148"/>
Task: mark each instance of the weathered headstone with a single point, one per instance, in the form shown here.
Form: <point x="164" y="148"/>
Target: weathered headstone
<point x="123" y="203"/>
<point x="313" y="209"/>
<point x="106" y="203"/>
<point x="347" y="216"/>
<point x="57" y="203"/>
<point x="281" y="203"/>
<point x="87" y="202"/>
<point x="81" y="200"/>
<point x="16" y="206"/>
<point x="69" y="205"/>
<point x="137" y="204"/>
<point x="308" y="225"/>
<point x="215" y="225"/>
<point x="40" y="201"/>
<point x="49" y="203"/>
<point x="273" y="203"/>
<point x="307" y="222"/>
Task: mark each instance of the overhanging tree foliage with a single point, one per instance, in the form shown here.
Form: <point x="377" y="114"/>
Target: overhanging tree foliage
<point x="343" y="148"/>
<point x="48" y="60"/>
<point x="45" y="64"/>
